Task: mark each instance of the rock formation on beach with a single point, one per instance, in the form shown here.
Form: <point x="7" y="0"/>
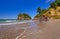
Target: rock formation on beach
<point x="23" y="16"/>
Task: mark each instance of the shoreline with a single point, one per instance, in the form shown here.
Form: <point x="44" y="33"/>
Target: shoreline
<point x="45" y="29"/>
<point x="16" y="23"/>
<point x="13" y="31"/>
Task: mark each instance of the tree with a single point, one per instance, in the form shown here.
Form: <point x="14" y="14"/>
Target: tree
<point x="58" y="2"/>
<point x="54" y="6"/>
<point x="39" y="10"/>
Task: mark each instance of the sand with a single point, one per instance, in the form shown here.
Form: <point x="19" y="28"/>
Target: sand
<point x="33" y="30"/>
<point x="48" y="30"/>
<point x="11" y="31"/>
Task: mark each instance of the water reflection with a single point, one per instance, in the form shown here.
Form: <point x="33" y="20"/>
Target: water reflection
<point x="34" y="26"/>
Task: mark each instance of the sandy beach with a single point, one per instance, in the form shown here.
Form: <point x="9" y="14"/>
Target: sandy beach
<point x="12" y="31"/>
<point x="47" y="30"/>
<point x="32" y="30"/>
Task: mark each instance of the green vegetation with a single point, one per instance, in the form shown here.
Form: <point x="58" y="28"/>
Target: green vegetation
<point x="23" y="16"/>
<point x="56" y="17"/>
<point x="57" y="2"/>
<point x="53" y="5"/>
<point x="40" y="12"/>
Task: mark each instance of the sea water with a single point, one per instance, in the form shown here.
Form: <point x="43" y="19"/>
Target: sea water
<point x="7" y="20"/>
<point x="12" y="21"/>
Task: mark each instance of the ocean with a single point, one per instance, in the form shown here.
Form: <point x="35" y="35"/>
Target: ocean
<point x="8" y="20"/>
<point x="12" y="21"/>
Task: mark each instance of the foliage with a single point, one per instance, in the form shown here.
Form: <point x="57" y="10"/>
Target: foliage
<point x="39" y="10"/>
<point x="23" y="16"/>
<point x="38" y="15"/>
<point x="58" y="2"/>
<point x="55" y="4"/>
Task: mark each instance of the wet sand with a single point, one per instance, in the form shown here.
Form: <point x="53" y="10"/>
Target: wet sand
<point x="11" y="31"/>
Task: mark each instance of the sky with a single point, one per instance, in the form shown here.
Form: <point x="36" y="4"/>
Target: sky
<point x="9" y="9"/>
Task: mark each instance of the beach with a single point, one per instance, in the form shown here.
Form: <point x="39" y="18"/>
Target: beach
<point x="12" y="30"/>
<point x="32" y="30"/>
<point x="47" y="30"/>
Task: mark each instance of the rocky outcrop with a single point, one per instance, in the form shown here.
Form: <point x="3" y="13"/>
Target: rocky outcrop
<point x="23" y="17"/>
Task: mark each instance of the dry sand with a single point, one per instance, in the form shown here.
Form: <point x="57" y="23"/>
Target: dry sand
<point x="48" y="30"/>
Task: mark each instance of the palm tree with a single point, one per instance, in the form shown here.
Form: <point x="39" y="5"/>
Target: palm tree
<point x="39" y="10"/>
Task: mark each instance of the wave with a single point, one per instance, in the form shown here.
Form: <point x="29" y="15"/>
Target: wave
<point x="5" y="20"/>
<point x="12" y="23"/>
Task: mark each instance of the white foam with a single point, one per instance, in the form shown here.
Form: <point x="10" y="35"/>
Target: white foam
<point x="8" y="21"/>
<point x="15" y="23"/>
